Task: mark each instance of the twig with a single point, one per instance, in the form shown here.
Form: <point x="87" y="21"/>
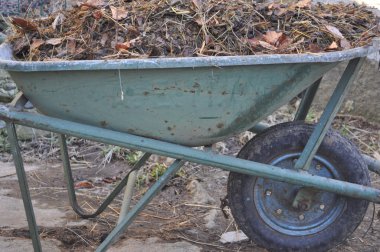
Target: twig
<point x="83" y="239"/>
<point x="200" y="243"/>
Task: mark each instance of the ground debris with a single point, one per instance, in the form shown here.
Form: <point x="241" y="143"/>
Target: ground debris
<point x="182" y="28"/>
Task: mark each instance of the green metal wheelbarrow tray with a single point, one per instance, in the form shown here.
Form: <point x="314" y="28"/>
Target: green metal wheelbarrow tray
<point x="306" y="194"/>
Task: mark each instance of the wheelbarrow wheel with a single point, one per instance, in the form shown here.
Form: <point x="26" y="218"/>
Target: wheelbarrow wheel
<point x="272" y="213"/>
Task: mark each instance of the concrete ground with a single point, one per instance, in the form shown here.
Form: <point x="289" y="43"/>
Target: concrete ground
<point x="13" y="220"/>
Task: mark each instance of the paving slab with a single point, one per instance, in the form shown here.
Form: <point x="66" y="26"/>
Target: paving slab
<point x="153" y="244"/>
<point x="10" y="244"/>
<point x="7" y="169"/>
<point x="12" y="215"/>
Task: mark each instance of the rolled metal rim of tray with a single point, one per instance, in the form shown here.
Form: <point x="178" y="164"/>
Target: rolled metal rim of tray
<point x="188" y="62"/>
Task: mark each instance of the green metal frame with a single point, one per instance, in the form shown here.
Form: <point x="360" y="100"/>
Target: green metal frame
<point x="70" y="182"/>
<point x="23" y="183"/>
<point x="329" y="114"/>
<point x="181" y="154"/>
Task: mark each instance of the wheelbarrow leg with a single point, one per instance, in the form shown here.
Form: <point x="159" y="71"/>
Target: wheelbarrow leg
<point x="71" y="188"/>
<point x="128" y="194"/>
<point x="307" y="100"/>
<point x="23" y="183"/>
<point x="329" y="113"/>
<point x="148" y="196"/>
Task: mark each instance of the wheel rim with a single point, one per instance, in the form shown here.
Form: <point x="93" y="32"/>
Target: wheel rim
<point x="273" y="200"/>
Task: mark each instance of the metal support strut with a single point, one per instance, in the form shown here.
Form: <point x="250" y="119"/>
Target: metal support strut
<point x="307" y="100"/>
<point x="70" y="182"/>
<point x="148" y="196"/>
<point x="329" y="113"/>
<point x="23" y="183"/>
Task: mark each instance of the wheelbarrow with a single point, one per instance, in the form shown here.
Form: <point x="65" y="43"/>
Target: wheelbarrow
<point x="294" y="186"/>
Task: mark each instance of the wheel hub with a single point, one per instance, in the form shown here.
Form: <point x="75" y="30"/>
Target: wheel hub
<point x="297" y="210"/>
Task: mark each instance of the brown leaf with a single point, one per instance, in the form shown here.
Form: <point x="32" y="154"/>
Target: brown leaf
<point x="97" y="14"/>
<point x="273" y="6"/>
<point x="19" y="45"/>
<point x="272" y="37"/>
<point x="254" y="42"/>
<point x="36" y="44"/>
<point x="84" y="185"/>
<point x="267" y="45"/>
<point x="314" y="48"/>
<point x="284" y="42"/>
<point x="334" y="31"/>
<point x="345" y="44"/>
<point x="304" y="4"/>
<point x="23" y="24"/>
<point x="54" y="41"/>
<point x="118" y="13"/>
<point x="109" y="180"/>
<point x="332" y="47"/>
<point x="85" y="7"/>
<point x="122" y="46"/>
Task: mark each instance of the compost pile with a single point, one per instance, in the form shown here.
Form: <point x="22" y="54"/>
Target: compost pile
<point x="98" y="29"/>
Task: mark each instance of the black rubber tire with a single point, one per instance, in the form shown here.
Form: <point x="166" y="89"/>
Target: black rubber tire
<point x="291" y="138"/>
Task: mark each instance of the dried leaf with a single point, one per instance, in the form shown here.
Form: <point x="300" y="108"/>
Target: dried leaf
<point x="85" y="7"/>
<point x="109" y="180"/>
<point x="304" y="4"/>
<point x="19" y="45"/>
<point x="23" y="24"/>
<point x="345" y="44"/>
<point x="273" y="6"/>
<point x="118" y="13"/>
<point x="267" y="45"/>
<point x="272" y="37"/>
<point x="334" y="31"/>
<point x="314" y="48"/>
<point x="36" y="44"/>
<point x="254" y="42"/>
<point x="123" y="46"/>
<point x="94" y="3"/>
<point x="54" y="41"/>
<point x="58" y="20"/>
<point x="97" y="14"/>
<point x="84" y="185"/>
<point x="284" y="42"/>
<point x="332" y="47"/>
<point x="199" y="21"/>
